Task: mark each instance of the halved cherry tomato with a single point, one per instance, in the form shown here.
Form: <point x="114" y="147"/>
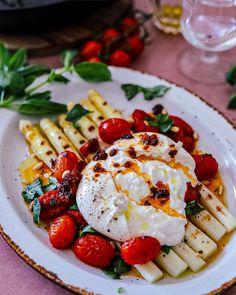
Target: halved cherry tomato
<point x="184" y="126"/>
<point x="119" y="58"/>
<point x="61" y="232"/>
<point x="90" y="49"/>
<point x="112" y="129"/>
<point x="78" y="218"/>
<point x="140" y="125"/>
<point x="91" y="146"/>
<point x="94" y="250"/>
<point x="191" y="194"/>
<point x="206" y="166"/>
<point x="66" y="161"/>
<point x="129" y="25"/>
<point x="95" y="59"/>
<point x="140" y="250"/>
<point x="136" y="45"/>
<point x="110" y="35"/>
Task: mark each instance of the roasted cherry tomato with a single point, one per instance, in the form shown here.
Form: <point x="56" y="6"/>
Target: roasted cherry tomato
<point x="140" y="250"/>
<point x="90" y="49"/>
<point x="66" y="161"/>
<point x="184" y="126"/>
<point x="62" y="232"/>
<point x="136" y="45"/>
<point x="112" y="129"/>
<point x="206" y="166"/>
<point x="119" y="58"/>
<point x="53" y="205"/>
<point x="68" y="186"/>
<point x="95" y="59"/>
<point x="78" y="218"/>
<point x="192" y="193"/>
<point x="129" y="25"/>
<point x="94" y="250"/>
<point x="91" y="146"/>
<point x="140" y="125"/>
<point x="110" y="35"/>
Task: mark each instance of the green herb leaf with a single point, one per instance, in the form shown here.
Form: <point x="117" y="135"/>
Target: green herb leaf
<point x="51" y="185"/>
<point x="162" y="121"/>
<point x="93" y="72"/>
<point x="193" y="208"/>
<point x="230" y="76"/>
<point x="29" y="80"/>
<point x="17" y="84"/>
<point x="74" y="207"/>
<point x="33" y="70"/>
<point x="76" y="113"/>
<point x="165" y="249"/>
<point x="87" y="230"/>
<point x="18" y="59"/>
<point x="232" y="101"/>
<point x="54" y="77"/>
<point x="131" y="90"/>
<point x="120" y="290"/>
<point x="67" y="57"/>
<point x="117" y="267"/>
<point x="4" y="56"/>
<point x="36" y="211"/>
<point x="33" y="191"/>
<point x="46" y="95"/>
<point x="4" y="79"/>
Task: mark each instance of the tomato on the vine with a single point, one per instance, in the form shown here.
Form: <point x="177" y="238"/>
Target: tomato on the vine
<point x="119" y="58"/>
<point x="90" y="49"/>
<point x="136" y="45"/>
<point x="95" y="59"/>
<point x="129" y="25"/>
<point x="110" y="35"/>
<point x="206" y="166"/>
<point x="66" y="161"/>
<point x="140" y="250"/>
<point x="112" y="129"/>
<point x="94" y="250"/>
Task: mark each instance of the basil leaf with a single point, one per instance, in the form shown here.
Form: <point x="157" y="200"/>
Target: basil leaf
<point x="35" y="70"/>
<point x="54" y="77"/>
<point x="76" y="113"/>
<point x="87" y="230"/>
<point x="4" y="56"/>
<point x="117" y="267"/>
<point x="33" y="191"/>
<point x="51" y="185"/>
<point x="18" y="59"/>
<point x="93" y="72"/>
<point x="193" y="208"/>
<point x="46" y="95"/>
<point x="120" y="290"/>
<point x="232" y="101"/>
<point x="67" y="57"/>
<point x="36" y="211"/>
<point x="4" y="79"/>
<point x="130" y="90"/>
<point x="230" y="76"/>
<point x="29" y="80"/>
<point x="74" y="207"/>
<point x="165" y="249"/>
<point x="16" y="85"/>
<point x="162" y="121"/>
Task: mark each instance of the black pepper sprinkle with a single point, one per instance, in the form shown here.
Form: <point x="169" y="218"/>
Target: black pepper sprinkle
<point x="127" y="136"/>
<point x="108" y="230"/>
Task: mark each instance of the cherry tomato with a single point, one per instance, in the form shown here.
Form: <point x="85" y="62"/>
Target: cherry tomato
<point x="62" y="232"/>
<point x="112" y="129"/>
<point x="95" y="59"/>
<point x="188" y="141"/>
<point x="140" y="250"/>
<point x="68" y="186"/>
<point x="90" y="49"/>
<point x="129" y="25"/>
<point x="119" y="58"/>
<point x="91" y="146"/>
<point x="136" y="45"/>
<point x="191" y="194"/>
<point x="140" y="125"/>
<point x="184" y="126"/>
<point x="110" y="35"/>
<point x="78" y="218"/>
<point x="94" y="250"/>
<point x="53" y="205"/>
<point x="206" y="166"/>
<point x="66" y="161"/>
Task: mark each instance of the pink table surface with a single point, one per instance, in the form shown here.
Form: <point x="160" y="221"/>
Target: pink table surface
<point x="160" y="58"/>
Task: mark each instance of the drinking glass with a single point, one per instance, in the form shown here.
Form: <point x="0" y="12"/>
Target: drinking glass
<point x="209" y="25"/>
<point x="166" y="15"/>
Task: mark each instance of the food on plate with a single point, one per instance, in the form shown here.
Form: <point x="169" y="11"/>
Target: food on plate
<point x="124" y="192"/>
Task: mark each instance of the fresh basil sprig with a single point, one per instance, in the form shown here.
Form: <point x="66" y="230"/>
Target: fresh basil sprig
<point x="33" y="191"/>
<point x="117" y="267"/>
<point x="77" y="112"/>
<point x="88" y="230"/>
<point x="193" y="208"/>
<point x="165" y="249"/>
<point x="131" y="90"/>
<point x="36" y="211"/>
<point x="74" y="207"/>
<point x="162" y="121"/>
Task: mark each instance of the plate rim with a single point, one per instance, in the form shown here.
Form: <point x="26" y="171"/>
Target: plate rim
<point x="77" y="290"/>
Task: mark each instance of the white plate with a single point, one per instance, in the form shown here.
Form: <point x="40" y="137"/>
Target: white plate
<point x="217" y="136"/>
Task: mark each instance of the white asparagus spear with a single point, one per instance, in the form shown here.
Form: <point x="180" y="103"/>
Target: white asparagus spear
<point x="199" y="241"/>
<point x="95" y="115"/>
<point x="57" y="138"/>
<point x="107" y="110"/>
<point x="208" y="224"/>
<point x="214" y="205"/>
<point x="171" y="263"/>
<point x="192" y="259"/>
<point x="40" y="145"/>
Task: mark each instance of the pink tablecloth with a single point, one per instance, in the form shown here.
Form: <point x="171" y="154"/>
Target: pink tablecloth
<point x="160" y="58"/>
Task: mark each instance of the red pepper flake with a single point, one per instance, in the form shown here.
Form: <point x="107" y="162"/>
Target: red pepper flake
<point x="149" y="139"/>
<point x="116" y="165"/>
<point x="98" y="168"/>
<point x="132" y="153"/>
<point x="113" y="152"/>
<point x="173" y="153"/>
<point x="100" y="155"/>
<point x="128" y="164"/>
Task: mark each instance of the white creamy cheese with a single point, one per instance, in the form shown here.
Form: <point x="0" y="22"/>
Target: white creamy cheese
<point x="111" y="199"/>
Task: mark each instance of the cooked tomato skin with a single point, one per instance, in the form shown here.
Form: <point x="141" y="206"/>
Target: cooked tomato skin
<point x="62" y="232"/>
<point x="78" y="218"/>
<point x="140" y="250"/>
<point x="206" y="166"/>
<point x="184" y="126"/>
<point x="67" y="160"/>
<point x="139" y="124"/>
<point x="91" y="146"/>
<point x="90" y="49"/>
<point x="112" y="129"/>
<point x="94" y="250"/>
<point x="119" y="58"/>
<point x="191" y="194"/>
